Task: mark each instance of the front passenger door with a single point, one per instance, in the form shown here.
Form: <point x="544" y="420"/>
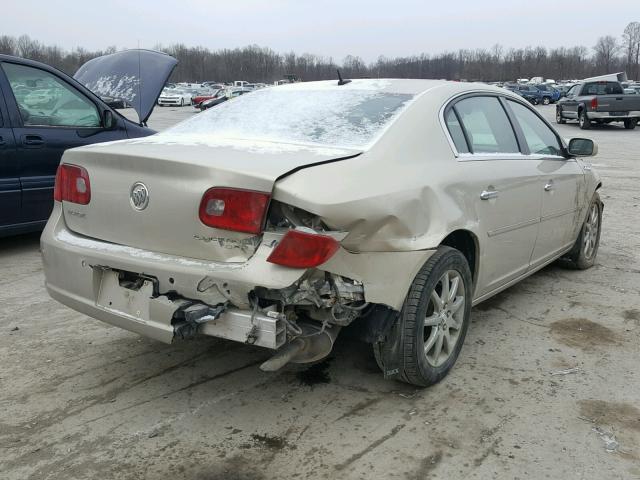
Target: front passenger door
<point x="561" y="185"/>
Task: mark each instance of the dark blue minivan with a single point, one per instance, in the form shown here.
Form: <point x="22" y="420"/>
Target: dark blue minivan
<point x="43" y="112"/>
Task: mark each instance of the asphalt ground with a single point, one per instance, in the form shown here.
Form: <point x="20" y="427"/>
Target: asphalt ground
<point x="547" y="384"/>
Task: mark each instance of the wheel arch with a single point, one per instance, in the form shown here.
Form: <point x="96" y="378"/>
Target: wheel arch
<point x="467" y="243"/>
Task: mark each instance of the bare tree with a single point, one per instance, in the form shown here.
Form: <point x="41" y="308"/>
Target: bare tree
<point x="259" y="64"/>
<point x="7" y="45"/>
<point x="631" y="41"/>
<point x="606" y="49"/>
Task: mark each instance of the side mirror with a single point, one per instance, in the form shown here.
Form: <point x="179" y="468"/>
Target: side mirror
<point x="582" y="147"/>
<point x="109" y="120"/>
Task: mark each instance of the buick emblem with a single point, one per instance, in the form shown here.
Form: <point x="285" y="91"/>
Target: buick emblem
<point x="139" y="196"/>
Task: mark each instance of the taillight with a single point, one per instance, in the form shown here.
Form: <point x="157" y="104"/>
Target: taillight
<point x="234" y="209"/>
<point x="303" y="250"/>
<point x="594" y="103"/>
<point x="72" y="184"/>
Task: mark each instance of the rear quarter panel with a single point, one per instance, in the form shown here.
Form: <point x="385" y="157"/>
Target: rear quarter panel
<point x="400" y="195"/>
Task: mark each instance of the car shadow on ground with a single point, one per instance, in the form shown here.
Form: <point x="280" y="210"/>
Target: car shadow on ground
<point x="18" y="244"/>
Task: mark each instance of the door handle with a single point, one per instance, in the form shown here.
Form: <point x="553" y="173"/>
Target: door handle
<point x="549" y="186"/>
<point x="488" y="194"/>
<point x="32" y="140"/>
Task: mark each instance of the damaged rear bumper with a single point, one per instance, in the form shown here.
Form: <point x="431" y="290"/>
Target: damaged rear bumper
<point x="86" y="275"/>
<point x="77" y="275"/>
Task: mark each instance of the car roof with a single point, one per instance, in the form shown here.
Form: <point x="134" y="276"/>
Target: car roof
<point x="440" y="88"/>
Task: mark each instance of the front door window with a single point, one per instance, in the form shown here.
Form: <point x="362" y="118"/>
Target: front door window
<point x="45" y="100"/>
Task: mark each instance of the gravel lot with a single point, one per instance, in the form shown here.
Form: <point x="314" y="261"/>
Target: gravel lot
<point x="82" y="400"/>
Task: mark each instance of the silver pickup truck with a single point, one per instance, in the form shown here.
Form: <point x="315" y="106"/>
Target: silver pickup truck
<point x="599" y="102"/>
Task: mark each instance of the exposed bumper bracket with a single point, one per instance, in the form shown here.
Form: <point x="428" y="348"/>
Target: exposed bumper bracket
<point x="187" y="320"/>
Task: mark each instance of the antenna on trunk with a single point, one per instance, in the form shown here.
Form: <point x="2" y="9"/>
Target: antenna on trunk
<point x="340" y="79"/>
<point x="139" y="82"/>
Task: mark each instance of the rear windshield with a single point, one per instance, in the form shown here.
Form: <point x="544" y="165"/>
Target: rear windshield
<point x="602" y="88"/>
<point x="340" y="117"/>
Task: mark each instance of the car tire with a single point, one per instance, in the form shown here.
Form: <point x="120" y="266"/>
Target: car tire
<point x="559" y="118"/>
<point x="630" y="123"/>
<point x="584" y="251"/>
<point x="182" y="102"/>
<point x="583" y="120"/>
<point x="546" y="100"/>
<point x="433" y="328"/>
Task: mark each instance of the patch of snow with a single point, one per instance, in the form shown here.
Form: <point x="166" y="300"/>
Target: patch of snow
<point x="125" y="87"/>
<point x="248" y="145"/>
<point x="317" y="113"/>
<point x="332" y="85"/>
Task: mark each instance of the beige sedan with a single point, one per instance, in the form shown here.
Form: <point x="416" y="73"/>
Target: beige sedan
<point x="386" y="206"/>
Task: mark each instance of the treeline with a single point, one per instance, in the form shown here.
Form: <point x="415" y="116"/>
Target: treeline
<point x="260" y="64"/>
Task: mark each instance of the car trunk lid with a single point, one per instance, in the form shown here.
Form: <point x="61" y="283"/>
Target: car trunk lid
<point x="176" y="176"/>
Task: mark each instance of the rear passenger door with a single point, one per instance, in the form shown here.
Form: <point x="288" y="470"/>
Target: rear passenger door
<point x="561" y="183"/>
<point x="502" y="185"/>
<point x="9" y="175"/>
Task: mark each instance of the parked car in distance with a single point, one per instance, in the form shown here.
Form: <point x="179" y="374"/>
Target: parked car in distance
<point x="275" y="220"/>
<point x="176" y="97"/>
<point x="197" y="100"/>
<point x="115" y="102"/>
<point x="212" y="102"/>
<point x="223" y="96"/>
<point x="529" y="92"/>
<point x="602" y="102"/>
<point x="549" y="94"/>
<point x="563" y="89"/>
<point x="43" y="112"/>
<point x="213" y="85"/>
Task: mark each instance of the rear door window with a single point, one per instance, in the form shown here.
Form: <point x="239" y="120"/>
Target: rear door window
<point x="455" y="129"/>
<point x="487" y="125"/>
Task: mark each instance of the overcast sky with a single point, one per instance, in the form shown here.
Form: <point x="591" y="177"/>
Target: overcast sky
<point x="324" y="27"/>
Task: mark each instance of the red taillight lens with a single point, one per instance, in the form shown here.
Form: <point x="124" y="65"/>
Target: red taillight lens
<point x="234" y="209"/>
<point x="594" y="103"/>
<point x="72" y="185"/>
<point x="303" y="250"/>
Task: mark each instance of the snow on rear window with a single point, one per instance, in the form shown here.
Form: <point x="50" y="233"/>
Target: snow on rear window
<point x="308" y="114"/>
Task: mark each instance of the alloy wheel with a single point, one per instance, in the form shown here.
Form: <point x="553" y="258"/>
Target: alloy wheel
<point x="590" y="237"/>
<point x="444" y="318"/>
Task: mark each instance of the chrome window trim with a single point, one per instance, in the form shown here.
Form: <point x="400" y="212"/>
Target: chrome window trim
<point x="472" y="157"/>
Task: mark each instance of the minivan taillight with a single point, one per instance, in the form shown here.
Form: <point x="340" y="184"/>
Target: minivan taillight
<point x="72" y="184"/>
<point x="594" y="103"/>
<point x="303" y="250"/>
<point x="234" y="209"/>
